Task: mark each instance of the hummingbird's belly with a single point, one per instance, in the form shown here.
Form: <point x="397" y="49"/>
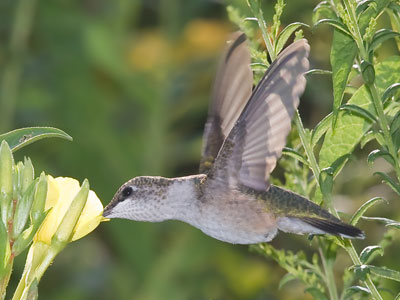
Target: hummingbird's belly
<point x="239" y="221"/>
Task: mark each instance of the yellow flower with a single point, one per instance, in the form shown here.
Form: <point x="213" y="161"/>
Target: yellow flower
<point x="60" y="193"/>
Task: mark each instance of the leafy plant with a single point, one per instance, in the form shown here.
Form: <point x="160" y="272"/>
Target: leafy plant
<point x="317" y="157"/>
<point x="32" y="214"/>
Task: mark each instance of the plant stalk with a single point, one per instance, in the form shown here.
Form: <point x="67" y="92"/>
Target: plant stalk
<point x="330" y="280"/>
<point x="356" y="260"/>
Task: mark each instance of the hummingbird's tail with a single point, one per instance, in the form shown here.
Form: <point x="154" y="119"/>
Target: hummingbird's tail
<point x="319" y="225"/>
<point x="303" y="216"/>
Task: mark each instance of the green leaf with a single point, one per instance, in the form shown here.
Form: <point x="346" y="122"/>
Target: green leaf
<point x="390" y="91"/>
<point x="336" y="24"/>
<point x="323" y="11"/>
<point x="343" y="53"/>
<point x="373" y="155"/>
<point x="321" y="128"/>
<point x="382" y="36"/>
<point x="285" y="34"/>
<point x="350" y="129"/>
<point x="316" y="293"/>
<point x="355" y="289"/>
<point x="395" y="124"/>
<point x="363" y="208"/>
<point x="296" y="155"/>
<point x="318" y="72"/>
<point x="326" y="180"/>
<point x="395" y="225"/>
<point x="286" y="279"/>
<point x="389" y="181"/>
<point x="368" y="251"/>
<point x="360" y="111"/>
<point x="24" y="136"/>
<point x="385" y="272"/>
<point x="369" y="136"/>
<point x="362" y="6"/>
<point x="361" y="271"/>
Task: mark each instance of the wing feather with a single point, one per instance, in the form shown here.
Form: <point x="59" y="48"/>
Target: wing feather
<point x="232" y="90"/>
<point x="252" y="148"/>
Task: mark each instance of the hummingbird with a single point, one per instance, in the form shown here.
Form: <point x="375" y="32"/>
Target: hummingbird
<point x="232" y="199"/>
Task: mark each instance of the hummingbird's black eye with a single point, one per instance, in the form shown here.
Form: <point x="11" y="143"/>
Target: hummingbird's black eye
<point x="126" y="192"/>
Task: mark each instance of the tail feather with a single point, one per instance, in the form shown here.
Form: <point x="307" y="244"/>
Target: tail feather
<point x="334" y="227"/>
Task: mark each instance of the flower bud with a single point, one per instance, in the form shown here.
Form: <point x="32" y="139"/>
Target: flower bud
<point x="4" y="249"/>
<point x="6" y="177"/>
<point x="28" y="174"/>
<point x="65" y="229"/>
<point x="38" y="205"/>
<point x="73" y="211"/>
<point x="22" y="210"/>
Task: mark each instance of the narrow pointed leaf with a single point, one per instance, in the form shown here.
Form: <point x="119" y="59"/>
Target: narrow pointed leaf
<point x="373" y="155"/>
<point x="389" y="181"/>
<point x="24" y="136"/>
<point x="382" y="36"/>
<point x="369" y="136"/>
<point x="363" y="208"/>
<point x="286" y="279"/>
<point x="395" y="225"/>
<point x="316" y="293"/>
<point x="362" y="6"/>
<point x="318" y="72"/>
<point x="296" y="155"/>
<point x="323" y="11"/>
<point x="395" y="125"/>
<point x="321" y="128"/>
<point x="343" y="53"/>
<point x="390" y="91"/>
<point x="336" y="24"/>
<point x="355" y="289"/>
<point x="385" y="272"/>
<point x="360" y="111"/>
<point x="397" y="297"/>
<point x="367" y="253"/>
<point x="285" y="34"/>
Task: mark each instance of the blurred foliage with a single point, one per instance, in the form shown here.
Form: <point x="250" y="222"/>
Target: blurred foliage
<point x="129" y="80"/>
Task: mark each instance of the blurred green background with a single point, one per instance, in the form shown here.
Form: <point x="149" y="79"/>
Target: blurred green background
<point x="129" y="80"/>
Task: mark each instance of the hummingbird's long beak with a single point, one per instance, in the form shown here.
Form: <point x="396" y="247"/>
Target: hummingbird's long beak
<point x="108" y="209"/>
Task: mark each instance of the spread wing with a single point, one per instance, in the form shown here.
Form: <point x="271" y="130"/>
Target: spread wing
<point x="252" y="148"/>
<point x="232" y="90"/>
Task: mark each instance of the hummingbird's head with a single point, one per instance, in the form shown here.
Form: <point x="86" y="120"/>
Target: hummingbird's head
<point x="141" y="199"/>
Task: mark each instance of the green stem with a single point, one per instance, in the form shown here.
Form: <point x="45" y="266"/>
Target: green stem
<point x="330" y="280"/>
<point x="13" y="69"/>
<point x="264" y="31"/>
<point x="35" y="271"/>
<point x="356" y="260"/>
<point x="307" y="146"/>
<point x="383" y="123"/>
